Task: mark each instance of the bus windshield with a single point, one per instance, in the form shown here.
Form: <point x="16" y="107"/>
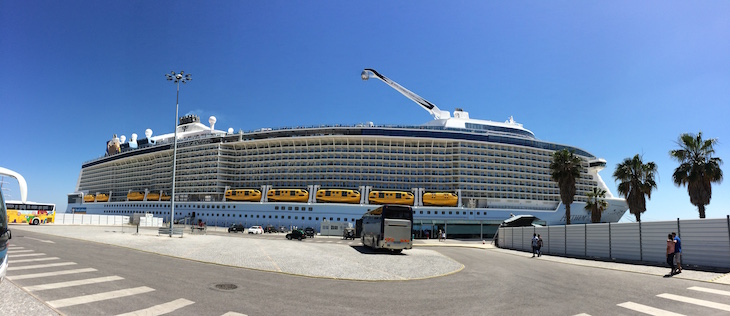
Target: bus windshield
<point x="397" y="212"/>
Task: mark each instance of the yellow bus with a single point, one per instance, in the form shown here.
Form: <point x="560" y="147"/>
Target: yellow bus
<point x="31" y="213"/>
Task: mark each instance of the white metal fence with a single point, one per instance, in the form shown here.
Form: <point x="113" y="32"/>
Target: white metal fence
<point x="89" y="219"/>
<point x="705" y="242"/>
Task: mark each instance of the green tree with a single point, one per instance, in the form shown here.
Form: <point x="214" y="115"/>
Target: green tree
<point x="636" y="183"/>
<point x="564" y="169"/>
<point x="697" y="168"/>
<point x="596" y="204"/>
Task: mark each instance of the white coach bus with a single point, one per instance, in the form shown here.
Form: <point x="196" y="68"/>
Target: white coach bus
<point x="388" y="227"/>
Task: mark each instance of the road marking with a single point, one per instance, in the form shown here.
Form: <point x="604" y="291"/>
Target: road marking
<point x="695" y="301"/>
<point x="48" y="274"/>
<point x="59" y="285"/>
<point x="647" y="309"/>
<point x="702" y="289"/>
<point x="161" y="309"/>
<point x="39" y="266"/>
<point x="26" y="255"/>
<point x="41" y="240"/>
<point x="33" y="260"/>
<point x="233" y="314"/>
<point x="582" y="314"/>
<point x="21" y="251"/>
<point x="15" y="247"/>
<point x="85" y="299"/>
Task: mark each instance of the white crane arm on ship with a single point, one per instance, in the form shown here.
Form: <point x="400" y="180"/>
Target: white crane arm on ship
<point x="428" y="106"/>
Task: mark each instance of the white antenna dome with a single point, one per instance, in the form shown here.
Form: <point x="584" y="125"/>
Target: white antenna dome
<point x="123" y="138"/>
<point x="230" y="130"/>
<point x="148" y="133"/>
<point x="212" y="121"/>
<point x="134" y="137"/>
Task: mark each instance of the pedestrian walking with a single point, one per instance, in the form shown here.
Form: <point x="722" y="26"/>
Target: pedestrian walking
<point x="539" y="245"/>
<point x="677" y="252"/>
<point x="670" y="253"/>
<point x="534" y="245"/>
<point x="443" y="235"/>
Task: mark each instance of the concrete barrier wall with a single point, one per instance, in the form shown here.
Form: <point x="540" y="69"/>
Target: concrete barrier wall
<point x="705" y="242"/>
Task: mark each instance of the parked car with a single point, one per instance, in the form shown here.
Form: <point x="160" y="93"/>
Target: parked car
<point x="255" y="230"/>
<point x="296" y="234"/>
<point x="309" y="232"/>
<point x="270" y="229"/>
<point x="236" y="228"/>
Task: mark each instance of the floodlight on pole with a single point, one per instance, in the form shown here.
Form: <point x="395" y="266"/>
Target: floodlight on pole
<point x="176" y="78"/>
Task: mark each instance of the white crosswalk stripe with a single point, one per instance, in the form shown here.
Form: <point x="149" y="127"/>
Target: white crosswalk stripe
<point x="720" y="306"/>
<point x="60" y="285"/>
<point x="34" y="260"/>
<point x="10" y="255"/>
<point x="706" y="290"/>
<point x="41" y="266"/>
<point x="12" y="251"/>
<point x="647" y="309"/>
<point x="85" y="299"/>
<point x="48" y="274"/>
<point x="161" y="309"/>
<point x="233" y="314"/>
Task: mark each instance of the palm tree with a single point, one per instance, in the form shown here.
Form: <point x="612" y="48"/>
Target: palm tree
<point x="697" y="168"/>
<point x="564" y="169"/>
<point x="596" y="204"/>
<point x="637" y="182"/>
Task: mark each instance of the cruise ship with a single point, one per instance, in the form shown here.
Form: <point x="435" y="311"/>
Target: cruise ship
<point x="460" y="174"/>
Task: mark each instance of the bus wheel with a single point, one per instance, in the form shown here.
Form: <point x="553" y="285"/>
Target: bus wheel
<point x="35" y="221"/>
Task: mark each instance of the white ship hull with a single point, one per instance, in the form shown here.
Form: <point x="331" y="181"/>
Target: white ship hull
<point x="299" y="214"/>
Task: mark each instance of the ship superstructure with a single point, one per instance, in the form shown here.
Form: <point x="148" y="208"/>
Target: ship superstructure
<point x="493" y="169"/>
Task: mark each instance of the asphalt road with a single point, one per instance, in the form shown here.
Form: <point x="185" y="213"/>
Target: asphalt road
<point x="493" y="282"/>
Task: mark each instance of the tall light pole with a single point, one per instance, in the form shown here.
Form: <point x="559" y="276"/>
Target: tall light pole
<point x="176" y="78"/>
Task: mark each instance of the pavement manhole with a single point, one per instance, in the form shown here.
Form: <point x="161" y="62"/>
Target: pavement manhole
<point x="226" y="286"/>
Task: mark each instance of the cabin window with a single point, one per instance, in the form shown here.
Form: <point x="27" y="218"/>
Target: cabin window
<point x="290" y="208"/>
<point x="327" y="193"/>
<point x="296" y="208"/>
<point x="276" y="208"/>
<point x="397" y="195"/>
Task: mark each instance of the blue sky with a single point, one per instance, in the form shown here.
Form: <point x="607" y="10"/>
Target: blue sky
<point x="615" y="78"/>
